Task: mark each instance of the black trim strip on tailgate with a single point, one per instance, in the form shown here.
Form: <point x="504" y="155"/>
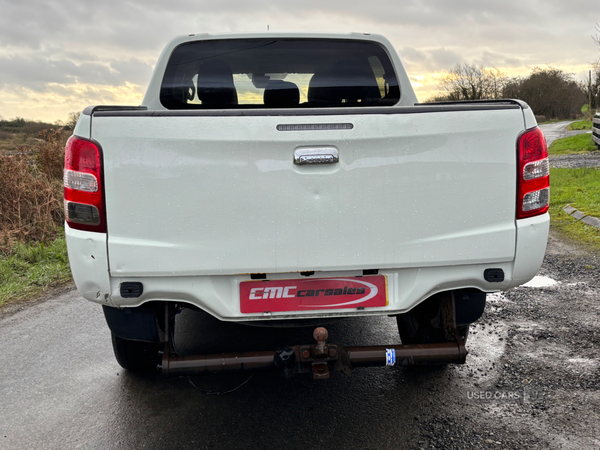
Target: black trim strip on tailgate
<point x="93" y="109"/>
<point x="418" y="108"/>
<point x="467" y="102"/>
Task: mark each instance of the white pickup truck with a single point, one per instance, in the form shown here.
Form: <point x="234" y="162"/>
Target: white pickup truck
<point x="294" y="177"/>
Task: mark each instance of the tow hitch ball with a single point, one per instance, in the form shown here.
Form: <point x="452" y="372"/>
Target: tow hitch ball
<point x="319" y="359"/>
<point x="314" y="358"/>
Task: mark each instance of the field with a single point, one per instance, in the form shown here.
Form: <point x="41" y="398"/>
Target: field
<point x="20" y="134"/>
<point x="580" y="143"/>
<point x="580" y="125"/>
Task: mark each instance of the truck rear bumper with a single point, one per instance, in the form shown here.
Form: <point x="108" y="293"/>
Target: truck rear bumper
<point x="219" y="295"/>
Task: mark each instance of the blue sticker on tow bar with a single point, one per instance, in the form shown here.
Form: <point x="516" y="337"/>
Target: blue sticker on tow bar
<point x="390" y="356"/>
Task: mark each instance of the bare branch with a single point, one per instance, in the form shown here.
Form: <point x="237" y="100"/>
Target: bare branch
<point x="469" y="82"/>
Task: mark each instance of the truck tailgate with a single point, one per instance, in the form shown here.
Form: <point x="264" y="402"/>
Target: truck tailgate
<point x="220" y="194"/>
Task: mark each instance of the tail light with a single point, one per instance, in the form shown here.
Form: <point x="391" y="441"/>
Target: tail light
<point x="533" y="188"/>
<point x="84" y="198"/>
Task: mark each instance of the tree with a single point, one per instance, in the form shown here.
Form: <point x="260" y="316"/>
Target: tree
<point x="72" y="120"/>
<point x="469" y="82"/>
<point x="550" y="92"/>
<point x="592" y="88"/>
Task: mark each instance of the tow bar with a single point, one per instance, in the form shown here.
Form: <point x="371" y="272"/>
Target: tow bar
<point x="319" y="359"/>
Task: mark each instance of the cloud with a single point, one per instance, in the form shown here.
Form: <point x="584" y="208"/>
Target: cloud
<point x="493" y="59"/>
<point x="37" y="72"/>
<point x="429" y="60"/>
<point x="114" y="43"/>
<point x="57" y="100"/>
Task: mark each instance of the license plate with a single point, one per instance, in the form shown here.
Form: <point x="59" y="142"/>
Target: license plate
<point x="313" y="294"/>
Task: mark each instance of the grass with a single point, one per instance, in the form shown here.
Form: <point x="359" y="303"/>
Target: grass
<point x="580" y="125"/>
<point x="578" y="187"/>
<point x="581" y="189"/>
<point x="580" y="143"/>
<point x="27" y="270"/>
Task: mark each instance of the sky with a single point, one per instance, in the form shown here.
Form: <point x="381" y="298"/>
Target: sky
<point x="59" y="56"/>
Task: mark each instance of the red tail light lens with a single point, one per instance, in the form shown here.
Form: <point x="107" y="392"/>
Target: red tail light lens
<point x="533" y="188"/>
<point x="84" y="199"/>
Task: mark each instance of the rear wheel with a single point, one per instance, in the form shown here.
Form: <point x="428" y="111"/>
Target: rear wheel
<point x="424" y="324"/>
<point x="136" y="356"/>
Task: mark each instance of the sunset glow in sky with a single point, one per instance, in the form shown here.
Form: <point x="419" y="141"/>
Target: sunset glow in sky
<point x="61" y="56"/>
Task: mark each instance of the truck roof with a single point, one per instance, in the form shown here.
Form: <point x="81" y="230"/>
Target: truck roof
<point x="288" y="34"/>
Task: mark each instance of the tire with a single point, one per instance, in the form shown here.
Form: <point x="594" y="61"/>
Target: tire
<point x="423" y="325"/>
<point x="136" y="356"/>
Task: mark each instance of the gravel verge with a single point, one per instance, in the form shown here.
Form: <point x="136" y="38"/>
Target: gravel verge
<point x="575" y="161"/>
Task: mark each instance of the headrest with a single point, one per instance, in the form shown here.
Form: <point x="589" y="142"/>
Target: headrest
<point x="347" y="82"/>
<point x="215" y="84"/>
<point x="319" y="89"/>
<point x="281" y="94"/>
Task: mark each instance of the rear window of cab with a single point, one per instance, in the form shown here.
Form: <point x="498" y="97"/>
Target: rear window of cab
<point x="279" y="73"/>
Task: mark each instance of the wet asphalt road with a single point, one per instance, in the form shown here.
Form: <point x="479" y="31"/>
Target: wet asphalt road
<point x="557" y="130"/>
<point x="62" y="388"/>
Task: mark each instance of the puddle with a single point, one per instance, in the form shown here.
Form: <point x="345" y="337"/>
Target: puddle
<point x="486" y="345"/>
<point x="497" y="297"/>
<point x="541" y="282"/>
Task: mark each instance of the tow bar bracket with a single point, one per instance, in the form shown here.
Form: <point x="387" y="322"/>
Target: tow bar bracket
<point x="320" y="359"/>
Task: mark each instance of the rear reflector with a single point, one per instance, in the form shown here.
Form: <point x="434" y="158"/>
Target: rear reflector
<point x="84" y="199"/>
<point x="81" y="213"/>
<point x="131" y="289"/>
<point x="533" y="178"/>
<point x="494" y="275"/>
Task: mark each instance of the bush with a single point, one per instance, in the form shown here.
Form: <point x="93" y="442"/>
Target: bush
<point x="549" y="92"/>
<point x="31" y="191"/>
<point x="50" y="153"/>
<point x="5" y="135"/>
<point x="20" y="125"/>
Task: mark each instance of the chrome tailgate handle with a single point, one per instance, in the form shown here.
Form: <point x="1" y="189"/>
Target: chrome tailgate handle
<point x="316" y="155"/>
